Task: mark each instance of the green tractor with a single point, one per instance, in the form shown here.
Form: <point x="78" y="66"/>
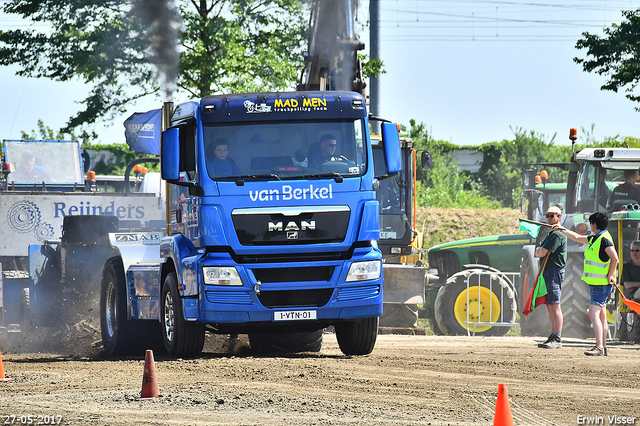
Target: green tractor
<point x="624" y="227"/>
<point x="494" y="260"/>
<point x="457" y="302"/>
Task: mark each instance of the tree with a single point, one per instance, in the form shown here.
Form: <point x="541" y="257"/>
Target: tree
<point x="616" y="55"/>
<point x="127" y="49"/>
<point x="501" y="172"/>
<point x="444" y="185"/>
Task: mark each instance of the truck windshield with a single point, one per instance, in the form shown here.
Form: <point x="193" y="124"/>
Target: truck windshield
<point x="285" y="150"/>
<point x="49" y="162"/>
<point x="608" y="179"/>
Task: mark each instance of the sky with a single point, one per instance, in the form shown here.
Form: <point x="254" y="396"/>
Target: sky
<point x="473" y="71"/>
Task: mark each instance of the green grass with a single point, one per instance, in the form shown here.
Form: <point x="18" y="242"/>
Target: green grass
<point x="424" y="323"/>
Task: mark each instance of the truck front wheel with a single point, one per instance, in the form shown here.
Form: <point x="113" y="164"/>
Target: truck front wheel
<point x="357" y="337"/>
<point x="182" y="339"/>
<point x="25" y="311"/>
<point x="121" y="336"/>
<point x="113" y="307"/>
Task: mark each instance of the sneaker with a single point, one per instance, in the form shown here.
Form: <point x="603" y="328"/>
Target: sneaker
<point x="595" y="351"/>
<point x="550" y="339"/>
<point x="556" y="344"/>
<point x="553" y="342"/>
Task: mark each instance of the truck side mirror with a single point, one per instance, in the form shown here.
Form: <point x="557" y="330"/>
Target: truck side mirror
<point x="391" y="141"/>
<point x="170" y="155"/>
<point x="426" y="160"/>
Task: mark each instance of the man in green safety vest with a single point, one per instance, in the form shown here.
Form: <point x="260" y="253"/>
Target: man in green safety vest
<point x="600" y="262"/>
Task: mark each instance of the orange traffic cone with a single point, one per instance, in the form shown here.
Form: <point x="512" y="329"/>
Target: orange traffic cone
<point x="503" y="409"/>
<point x="150" y="388"/>
<point x="2" y="378"/>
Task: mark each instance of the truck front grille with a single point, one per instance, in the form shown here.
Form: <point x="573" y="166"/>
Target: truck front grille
<point x="289" y="275"/>
<point x="298" y="298"/>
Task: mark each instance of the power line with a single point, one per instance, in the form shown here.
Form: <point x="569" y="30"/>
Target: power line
<point x="452" y="20"/>
<point x="492" y="19"/>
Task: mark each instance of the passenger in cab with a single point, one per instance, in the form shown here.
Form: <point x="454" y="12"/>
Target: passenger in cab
<point x="627" y="193"/>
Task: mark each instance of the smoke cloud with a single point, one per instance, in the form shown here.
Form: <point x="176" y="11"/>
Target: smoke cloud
<point x="162" y="22"/>
<point x="333" y="44"/>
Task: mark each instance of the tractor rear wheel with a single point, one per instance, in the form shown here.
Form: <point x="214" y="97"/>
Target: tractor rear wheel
<point x="575" y="299"/>
<point x="537" y="322"/>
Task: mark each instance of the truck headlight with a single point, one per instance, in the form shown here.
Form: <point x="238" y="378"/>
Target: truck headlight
<point x="362" y="271"/>
<point x="225" y="275"/>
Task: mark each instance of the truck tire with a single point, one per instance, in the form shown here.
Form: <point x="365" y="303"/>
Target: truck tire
<point x="575" y="299"/>
<point x="399" y="315"/>
<point x="26" y="326"/>
<point x="357" y="337"/>
<point x="537" y="322"/>
<point x="113" y="308"/>
<point x="119" y="335"/>
<point x="451" y="304"/>
<point x="182" y="339"/>
<point x="306" y="341"/>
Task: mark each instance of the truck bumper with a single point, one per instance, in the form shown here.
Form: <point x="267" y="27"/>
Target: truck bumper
<point x="282" y="291"/>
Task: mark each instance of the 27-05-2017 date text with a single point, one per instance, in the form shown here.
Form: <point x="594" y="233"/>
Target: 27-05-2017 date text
<point x="30" y="419"/>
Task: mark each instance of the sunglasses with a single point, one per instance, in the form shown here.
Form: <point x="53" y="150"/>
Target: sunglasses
<point x="332" y="145"/>
<point x="635" y="251"/>
<point x="551" y="215"/>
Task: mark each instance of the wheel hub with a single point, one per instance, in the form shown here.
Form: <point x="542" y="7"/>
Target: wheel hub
<point x="169" y="317"/>
<point x="483" y="306"/>
<point x="111" y="309"/>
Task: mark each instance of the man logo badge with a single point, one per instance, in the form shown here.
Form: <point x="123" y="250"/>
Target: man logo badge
<point x="292" y="226"/>
<point x="292" y="235"/>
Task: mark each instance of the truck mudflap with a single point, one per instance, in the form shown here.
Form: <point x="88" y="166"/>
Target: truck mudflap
<point x="143" y="292"/>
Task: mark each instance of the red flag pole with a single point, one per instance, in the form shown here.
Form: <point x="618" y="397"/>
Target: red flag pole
<point x="526" y="310"/>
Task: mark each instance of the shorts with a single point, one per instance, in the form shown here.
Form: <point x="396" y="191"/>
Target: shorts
<point x="553" y="278"/>
<point x="599" y="294"/>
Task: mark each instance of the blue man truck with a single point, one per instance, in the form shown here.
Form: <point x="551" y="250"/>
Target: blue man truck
<point x="272" y="228"/>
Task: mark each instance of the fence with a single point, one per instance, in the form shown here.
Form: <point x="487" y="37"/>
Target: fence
<point x="475" y="280"/>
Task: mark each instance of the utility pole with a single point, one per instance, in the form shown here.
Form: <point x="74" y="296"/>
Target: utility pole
<point x="374" y="52"/>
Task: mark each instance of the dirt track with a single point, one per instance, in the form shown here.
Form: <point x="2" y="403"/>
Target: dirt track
<point x="406" y="380"/>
